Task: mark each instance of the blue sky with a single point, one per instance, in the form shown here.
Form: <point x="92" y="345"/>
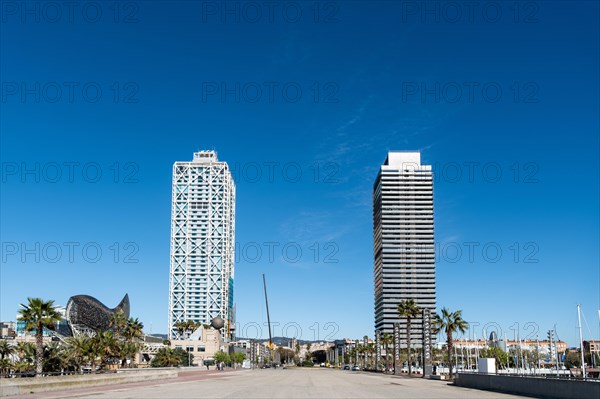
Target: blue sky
<point x="303" y="103"/>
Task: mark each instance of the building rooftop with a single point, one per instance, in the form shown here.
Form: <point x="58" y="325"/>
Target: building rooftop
<point x="205" y="156"/>
<point x="399" y="158"/>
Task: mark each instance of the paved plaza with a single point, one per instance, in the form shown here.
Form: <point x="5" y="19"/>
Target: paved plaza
<point x="278" y="383"/>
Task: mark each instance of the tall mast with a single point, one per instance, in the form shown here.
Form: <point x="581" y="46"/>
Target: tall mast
<point x="581" y="341"/>
<point x="556" y="351"/>
<point x="268" y="317"/>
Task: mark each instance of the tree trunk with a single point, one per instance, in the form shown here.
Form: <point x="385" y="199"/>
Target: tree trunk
<point x="387" y="362"/>
<point x="39" y="350"/>
<point x="449" y="338"/>
<point x="408" y="329"/>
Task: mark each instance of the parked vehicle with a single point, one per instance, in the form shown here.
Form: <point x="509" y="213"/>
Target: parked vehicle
<point x="355" y="368"/>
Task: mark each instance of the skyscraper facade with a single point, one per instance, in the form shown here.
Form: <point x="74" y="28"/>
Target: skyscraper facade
<point x="202" y="242"/>
<point x="404" y="250"/>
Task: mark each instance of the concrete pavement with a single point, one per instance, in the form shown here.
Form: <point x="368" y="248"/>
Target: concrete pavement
<point x="278" y="383"/>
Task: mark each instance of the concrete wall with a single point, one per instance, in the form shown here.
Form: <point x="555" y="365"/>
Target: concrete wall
<point x="530" y="386"/>
<point x="22" y="386"/>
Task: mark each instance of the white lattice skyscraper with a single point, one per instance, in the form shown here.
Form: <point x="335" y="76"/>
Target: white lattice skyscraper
<point x="202" y="242"/>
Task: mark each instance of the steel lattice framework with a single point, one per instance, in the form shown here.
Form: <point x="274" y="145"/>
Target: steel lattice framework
<point x="202" y="241"/>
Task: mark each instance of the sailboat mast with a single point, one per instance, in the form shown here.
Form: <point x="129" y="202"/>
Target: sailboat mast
<point x="581" y="341"/>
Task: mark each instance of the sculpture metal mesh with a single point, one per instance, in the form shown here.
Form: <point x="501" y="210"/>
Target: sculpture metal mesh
<point x="87" y="315"/>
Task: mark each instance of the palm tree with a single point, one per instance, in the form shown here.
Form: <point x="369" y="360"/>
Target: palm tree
<point x="371" y="351"/>
<point x="166" y="357"/>
<point x="133" y="329"/>
<point x="297" y="351"/>
<point x="39" y="314"/>
<point x="186" y="327"/>
<point x="54" y="358"/>
<point x="192" y="326"/>
<point x="77" y="351"/>
<point x="107" y="346"/>
<point x="385" y="340"/>
<point x="5" y="366"/>
<point x="360" y="351"/>
<point x="449" y="322"/>
<point x="93" y="352"/>
<point x="126" y="332"/>
<point x="118" y="322"/>
<point x="26" y="352"/>
<point x="22" y="367"/>
<point x="6" y="349"/>
<point x="127" y="350"/>
<point x="409" y="310"/>
<point x="180" y="327"/>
